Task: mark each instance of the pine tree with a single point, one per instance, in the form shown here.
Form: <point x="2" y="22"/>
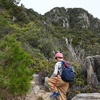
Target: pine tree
<point x="14" y="67"/>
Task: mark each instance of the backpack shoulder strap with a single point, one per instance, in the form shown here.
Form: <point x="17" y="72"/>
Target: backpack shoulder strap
<point x="66" y="63"/>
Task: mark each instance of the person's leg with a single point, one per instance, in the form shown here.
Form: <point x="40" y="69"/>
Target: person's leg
<point x="62" y="88"/>
<point x="52" y="84"/>
<point x="57" y="84"/>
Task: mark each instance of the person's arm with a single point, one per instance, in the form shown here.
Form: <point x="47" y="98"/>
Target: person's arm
<point x="55" y="72"/>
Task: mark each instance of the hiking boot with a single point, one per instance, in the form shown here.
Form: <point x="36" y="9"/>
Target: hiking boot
<point x="54" y="95"/>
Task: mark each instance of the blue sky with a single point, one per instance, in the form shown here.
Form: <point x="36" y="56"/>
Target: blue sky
<point x="43" y="6"/>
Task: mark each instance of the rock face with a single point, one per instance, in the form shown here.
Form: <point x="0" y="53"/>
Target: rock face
<point x="92" y="64"/>
<point x="72" y="18"/>
<point x="87" y="96"/>
<point x="38" y="91"/>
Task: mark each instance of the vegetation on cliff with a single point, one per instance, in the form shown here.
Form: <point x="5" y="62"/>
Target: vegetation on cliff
<point x="29" y="40"/>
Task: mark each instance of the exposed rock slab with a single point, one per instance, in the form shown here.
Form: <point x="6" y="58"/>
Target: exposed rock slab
<point x="87" y="96"/>
<point x="92" y="64"/>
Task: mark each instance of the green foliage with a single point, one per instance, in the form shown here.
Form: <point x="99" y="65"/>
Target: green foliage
<point x="43" y="67"/>
<point x="4" y="24"/>
<point x="38" y="65"/>
<point x="79" y="81"/>
<point x="39" y="37"/>
<point x="5" y="4"/>
<point x="14" y="63"/>
<point x="80" y="75"/>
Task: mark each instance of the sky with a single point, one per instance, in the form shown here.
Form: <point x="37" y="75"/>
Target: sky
<point x="43" y="6"/>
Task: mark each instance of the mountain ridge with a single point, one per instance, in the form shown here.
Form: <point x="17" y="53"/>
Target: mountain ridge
<point x="28" y="42"/>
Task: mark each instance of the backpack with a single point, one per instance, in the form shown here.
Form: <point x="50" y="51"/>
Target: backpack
<point x="67" y="72"/>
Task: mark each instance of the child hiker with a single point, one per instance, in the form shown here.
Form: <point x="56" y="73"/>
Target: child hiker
<point x="55" y="83"/>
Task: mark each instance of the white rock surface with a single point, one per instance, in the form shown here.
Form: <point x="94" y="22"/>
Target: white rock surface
<point x="87" y="96"/>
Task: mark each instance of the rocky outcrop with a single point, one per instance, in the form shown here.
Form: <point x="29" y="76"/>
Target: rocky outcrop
<point x="84" y="19"/>
<point x="72" y="18"/>
<point x="92" y="64"/>
<point x="41" y="92"/>
<point x="38" y="91"/>
<point x="87" y="96"/>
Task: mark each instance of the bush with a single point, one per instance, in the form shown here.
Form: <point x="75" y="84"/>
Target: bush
<point x="14" y="62"/>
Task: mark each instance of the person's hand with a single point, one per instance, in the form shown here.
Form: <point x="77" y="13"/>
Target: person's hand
<point x="59" y="76"/>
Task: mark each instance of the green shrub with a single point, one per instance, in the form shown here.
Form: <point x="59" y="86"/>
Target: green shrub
<point x="14" y="62"/>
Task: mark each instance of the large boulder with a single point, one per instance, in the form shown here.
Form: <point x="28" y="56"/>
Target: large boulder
<point x="87" y="96"/>
<point x="92" y="64"/>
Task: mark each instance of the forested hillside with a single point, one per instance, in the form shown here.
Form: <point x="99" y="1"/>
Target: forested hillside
<point x="28" y="42"/>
